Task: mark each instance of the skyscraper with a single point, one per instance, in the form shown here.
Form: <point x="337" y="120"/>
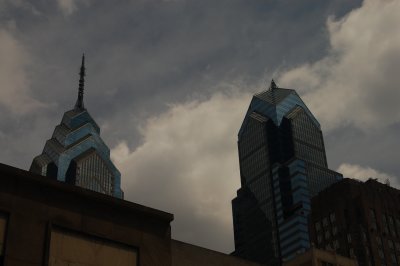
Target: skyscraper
<point x="76" y="154"/>
<point x="282" y="165"/>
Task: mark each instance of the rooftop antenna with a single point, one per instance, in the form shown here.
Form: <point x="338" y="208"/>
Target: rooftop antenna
<point x="79" y="101"/>
<point x="273" y="86"/>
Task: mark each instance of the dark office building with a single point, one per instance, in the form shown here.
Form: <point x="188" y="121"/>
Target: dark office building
<point x="282" y="165"/>
<point x="359" y="219"/>
<point x="76" y="154"/>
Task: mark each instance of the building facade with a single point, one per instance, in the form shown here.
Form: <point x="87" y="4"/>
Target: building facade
<point x="76" y="154"/>
<point x="47" y="222"/>
<point x="320" y="257"/>
<point x="358" y="219"/>
<point x="282" y="165"/>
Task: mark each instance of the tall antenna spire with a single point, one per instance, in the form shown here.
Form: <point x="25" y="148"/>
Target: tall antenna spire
<point x="79" y="101"/>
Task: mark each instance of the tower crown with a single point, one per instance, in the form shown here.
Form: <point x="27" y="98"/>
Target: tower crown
<point x="275" y="103"/>
<point x="76" y="154"/>
<point x="273" y="85"/>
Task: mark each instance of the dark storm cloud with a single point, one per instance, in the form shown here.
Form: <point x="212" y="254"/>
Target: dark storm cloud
<point x="142" y="54"/>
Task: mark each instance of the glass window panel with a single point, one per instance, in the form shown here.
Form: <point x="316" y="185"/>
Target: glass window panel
<point x="92" y="173"/>
<point x="318" y="226"/>
<point x="351" y="252"/>
<point x="3" y="224"/>
<point x="379" y="241"/>
<point x="332" y="217"/>
<point x="349" y="238"/>
<point x="385" y="225"/>
<point x="325" y="222"/>
<point x="334" y="230"/>
<point x="390" y="244"/>
<point x="373" y="219"/>
<point x="381" y="254"/>
<point x="327" y="235"/>
<point x="336" y="244"/>
<point x="397" y="246"/>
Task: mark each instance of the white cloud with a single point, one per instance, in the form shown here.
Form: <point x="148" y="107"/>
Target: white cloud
<point x="357" y="83"/>
<point x="70" y="6"/>
<point x="15" y="95"/>
<point x="364" y="173"/>
<point x="67" y="6"/>
<point x="188" y="165"/>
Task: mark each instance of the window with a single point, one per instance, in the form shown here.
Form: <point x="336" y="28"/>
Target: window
<point x="317" y="226"/>
<point x="327" y="234"/>
<point x="325" y="222"/>
<point x="336" y="244"/>
<point x="349" y="238"/>
<point x="390" y="244"/>
<point x="385" y="224"/>
<point x="69" y="248"/>
<point x="367" y="252"/>
<point x="93" y="173"/>
<point x="381" y="254"/>
<point x="351" y="253"/>
<point x="397" y="245"/>
<point x="379" y="241"/>
<point x="397" y="225"/>
<point x="391" y="226"/>
<point x="372" y="217"/>
<point x="3" y="225"/>
<point x="332" y="217"/>
<point x="334" y="230"/>
<point x="393" y="258"/>
<point x="363" y="234"/>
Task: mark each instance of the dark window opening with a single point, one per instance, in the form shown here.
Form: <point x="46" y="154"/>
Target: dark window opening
<point x="52" y="170"/>
<point x="70" y="176"/>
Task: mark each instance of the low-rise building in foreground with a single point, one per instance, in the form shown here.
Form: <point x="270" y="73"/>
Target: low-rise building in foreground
<point x="44" y="221"/>
<point x="319" y="257"/>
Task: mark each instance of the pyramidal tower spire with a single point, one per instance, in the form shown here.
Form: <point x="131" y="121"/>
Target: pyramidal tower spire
<point x="76" y="154"/>
<point x="79" y="101"/>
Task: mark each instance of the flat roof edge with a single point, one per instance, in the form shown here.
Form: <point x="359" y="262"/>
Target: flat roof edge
<point x="12" y="174"/>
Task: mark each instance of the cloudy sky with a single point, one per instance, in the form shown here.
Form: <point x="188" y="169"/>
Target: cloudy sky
<point x="169" y="82"/>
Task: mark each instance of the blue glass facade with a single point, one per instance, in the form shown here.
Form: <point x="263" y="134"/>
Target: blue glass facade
<point x="293" y="231"/>
<point x="77" y="155"/>
<point x="282" y="165"/>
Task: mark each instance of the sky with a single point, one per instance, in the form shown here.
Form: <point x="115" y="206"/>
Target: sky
<point x="169" y="82"/>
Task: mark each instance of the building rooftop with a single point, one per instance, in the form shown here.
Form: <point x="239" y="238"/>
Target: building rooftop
<point x="27" y="184"/>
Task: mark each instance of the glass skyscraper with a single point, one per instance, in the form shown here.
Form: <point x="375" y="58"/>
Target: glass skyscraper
<point x="76" y="154"/>
<point x="282" y="165"/>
